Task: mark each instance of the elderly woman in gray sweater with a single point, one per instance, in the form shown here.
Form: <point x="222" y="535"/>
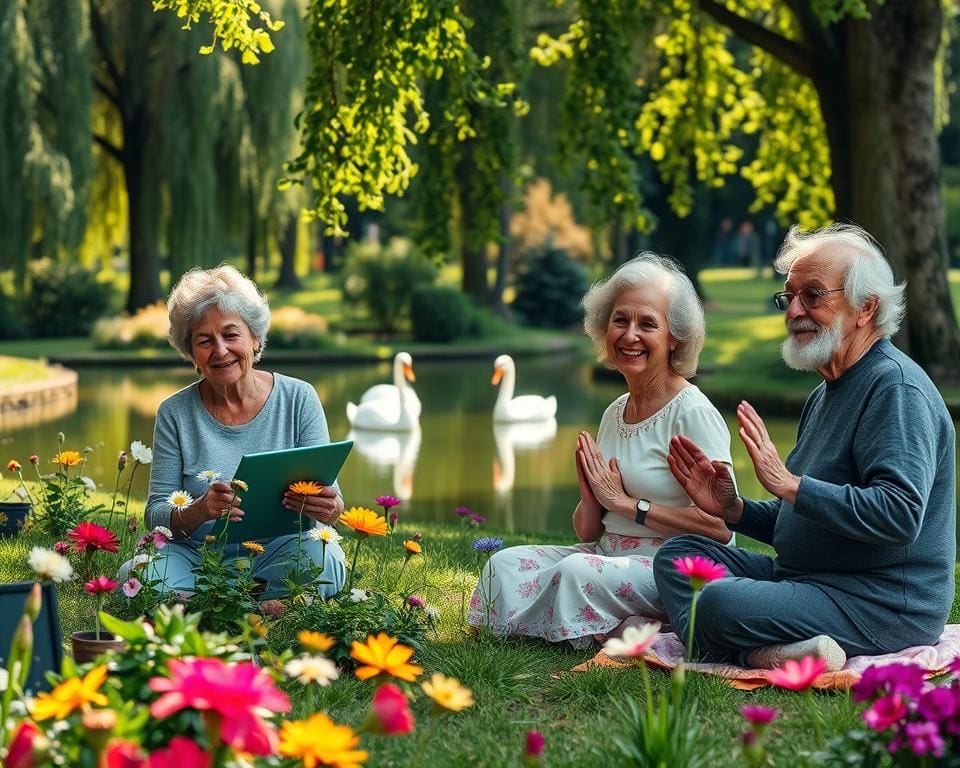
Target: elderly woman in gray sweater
<point x="219" y="321"/>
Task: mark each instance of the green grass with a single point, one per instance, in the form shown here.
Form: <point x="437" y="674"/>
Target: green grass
<point x="18" y="370"/>
<point x="518" y="685"/>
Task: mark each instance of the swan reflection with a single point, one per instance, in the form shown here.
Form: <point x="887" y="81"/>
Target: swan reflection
<point x="396" y="451"/>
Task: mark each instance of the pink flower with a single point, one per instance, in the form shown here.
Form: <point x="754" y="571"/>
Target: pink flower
<point x="181" y="752"/>
<point x="881" y="680"/>
<point x="533" y="748"/>
<point x="61" y="547"/>
<point x="387" y="502"/>
<point x="477" y="519"/>
<point x="699" y="570"/>
<point x="100" y="585"/>
<point x="123" y="754"/>
<point x="797" y="675"/>
<point x="273" y="607"/>
<point x="237" y="692"/>
<point x="26" y="742"/>
<point x="394" y="519"/>
<point x="389" y="712"/>
<point x="416" y="602"/>
<point x="132" y="586"/>
<point x="757" y="715"/>
<point x="925" y="739"/>
<point x="92" y="536"/>
<point x="885" y="711"/>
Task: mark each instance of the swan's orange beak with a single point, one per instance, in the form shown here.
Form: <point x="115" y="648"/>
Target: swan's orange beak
<point x="497" y="375"/>
<point x="408" y="372"/>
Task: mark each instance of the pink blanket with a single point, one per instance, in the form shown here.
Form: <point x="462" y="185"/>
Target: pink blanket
<point x="667" y="652"/>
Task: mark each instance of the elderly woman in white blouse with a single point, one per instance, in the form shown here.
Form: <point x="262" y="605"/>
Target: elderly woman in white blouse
<point x="647" y="322"/>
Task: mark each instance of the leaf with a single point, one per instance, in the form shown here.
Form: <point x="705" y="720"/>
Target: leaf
<point x="131" y="631"/>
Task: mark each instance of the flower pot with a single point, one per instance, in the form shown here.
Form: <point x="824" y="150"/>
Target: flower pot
<point x="13" y="514"/>
<point x="86" y="647"/>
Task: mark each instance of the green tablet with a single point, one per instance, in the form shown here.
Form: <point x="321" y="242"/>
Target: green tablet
<point x="267" y="476"/>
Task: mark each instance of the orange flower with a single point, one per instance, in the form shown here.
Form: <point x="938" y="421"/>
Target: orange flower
<point x="13" y="465"/>
<point x="315" y="641"/>
<point x="72" y="694"/>
<point x="412" y="547"/>
<point x="383" y="655"/>
<point x="67" y="458"/>
<point x="306" y="487"/>
<point x="365" y="522"/>
<point x="320" y="741"/>
<point x="254" y="548"/>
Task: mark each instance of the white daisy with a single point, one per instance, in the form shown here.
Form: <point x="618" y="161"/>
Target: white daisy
<point x="312" y="669"/>
<point x="325" y="533"/>
<point x="47" y="564"/>
<point x="635" y="641"/>
<point x="179" y="499"/>
<point x="208" y="476"/>
<point x="358" y="595"/>
<point x="140" y="452"/>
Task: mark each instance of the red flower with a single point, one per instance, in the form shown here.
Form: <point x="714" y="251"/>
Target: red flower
<point x="93" y="536"/>
<point x="181" y="752"/>
<point x="100" y="585"/>
<point x="699" y="570"/>
<point x="389" y="713"/>
<point x="797" y="675"/>
<point x="13" y="465"/>
<point x="758" y="715"/>
<point x="237" y="692"/>
<point x="26" y="746"/>
<point x="34" y="459"/>
<point x="123" y="754"/>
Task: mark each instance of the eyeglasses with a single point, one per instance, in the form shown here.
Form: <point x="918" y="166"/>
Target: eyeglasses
<point x="810" y="298"/>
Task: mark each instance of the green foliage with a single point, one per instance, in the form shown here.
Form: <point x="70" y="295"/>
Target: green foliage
<point x="439" y="313"/>
<point x="380" y="279"/>
<point x="224" y="593"/>
<point x="64" y="299"/>
<point x="11" y="326"/>
<point x="549" y="289"/>
<point x="230" y="20"/>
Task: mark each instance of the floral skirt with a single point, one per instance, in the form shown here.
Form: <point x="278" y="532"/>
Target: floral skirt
<point x="567" y="593"/>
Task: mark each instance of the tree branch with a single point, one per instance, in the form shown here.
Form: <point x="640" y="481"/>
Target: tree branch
<point x="111" y="149"/>
<point x="793" y="54"/>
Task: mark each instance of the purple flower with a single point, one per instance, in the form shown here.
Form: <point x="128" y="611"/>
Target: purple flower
<point x="487" y="545"/>
<point x="888" y="679"/>
<point x="387" y="501"/>
<point x="416" y="602"/>
<point x="463" y="511"/>
<point x="757" y="715"/>
<point x="939" y="704"/>
<point x="955" y="667"/>
<point x="61" y="547"/>
<point x="885" y="711"/>
<point x="477" y="519"/>
<point x="925" y="739"/>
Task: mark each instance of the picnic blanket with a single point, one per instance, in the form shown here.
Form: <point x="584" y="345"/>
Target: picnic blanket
<point x="667" y="651"/>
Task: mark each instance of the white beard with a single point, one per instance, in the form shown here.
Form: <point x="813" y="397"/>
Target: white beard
<point x="815" y="353"/>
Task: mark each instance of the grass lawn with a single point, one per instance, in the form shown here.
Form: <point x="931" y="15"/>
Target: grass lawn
<point x="19" y="370"/>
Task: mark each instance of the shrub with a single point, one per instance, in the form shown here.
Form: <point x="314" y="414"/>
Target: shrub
<point x="294" y="328"/>
<point x="64" y="299"/>
<point x="550" y="288"/>
<point x="381" y="279"/>
<point x="147" y="328"/>
<point x="10" y="324"/>
<point x="439" y="314"/>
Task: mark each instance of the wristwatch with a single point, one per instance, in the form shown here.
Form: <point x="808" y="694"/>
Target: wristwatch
<point x="643" y="506"/>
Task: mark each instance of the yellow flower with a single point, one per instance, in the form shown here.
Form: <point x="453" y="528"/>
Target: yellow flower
<point x="68" y="458"/>
<point x="365" y="522"/>
<point x="209" y="538"/>
<point x="315" y="641"/>
<point x="447" y="693"/>
<point x="239" y="485"/>
<point x="305" y="487"/>
<point x="254" y="548"/>
<point x="383" y="655"/>
<point x="320" y="741"/>
<point x="179" y="500"/>
<point x="412" y="547"/>
<point x="70" y="695"/>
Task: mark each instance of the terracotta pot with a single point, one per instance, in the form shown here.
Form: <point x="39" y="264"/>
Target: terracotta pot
<point x="86" y="647"/>
<point x="12" y="516"/>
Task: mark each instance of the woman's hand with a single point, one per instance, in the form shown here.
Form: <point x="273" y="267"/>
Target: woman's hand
<point x="709" y="484"/>
<point x="219" y="500"/>
<point x="767" y="464"/>
<point x="587" y="499"/>
<point x="326" y="507"/>
<point x="603" y="479"/>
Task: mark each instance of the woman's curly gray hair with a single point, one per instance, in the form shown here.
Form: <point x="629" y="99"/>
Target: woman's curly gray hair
<point x="224" y="287"/>
<point x="684" y="310"/>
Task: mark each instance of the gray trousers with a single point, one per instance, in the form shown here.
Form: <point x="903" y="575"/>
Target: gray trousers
<point x="748" y="608"/>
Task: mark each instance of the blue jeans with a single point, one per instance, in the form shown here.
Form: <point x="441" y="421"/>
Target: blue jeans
<point x="748" y="608"/>
<point x="175" y="564"/>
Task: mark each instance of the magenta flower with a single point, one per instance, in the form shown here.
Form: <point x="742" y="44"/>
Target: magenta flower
<point x="925" y="739"/>
<point x="181" y="752"/>
<point x="797" y="675"/>
<point x="416" y="602"/>
<point x="237" y="692"/>
<point x="389" y="712"/>
<point x="533" y="748"/>
<point x="940" y="704"/>
<point x="394" y="519"/>
<point x="757" y="715"/>
<point x="100" y="585"/>
<point x="699" y="570"/>
<point x="61" y="547"/>
<point x="885" y="711"/>
<point x="90" y="536"/>
<point x="477" y="519"/>
<point x="463" y="511"/>
<point x="387" y="502"/>
<point x="881" y="680"/>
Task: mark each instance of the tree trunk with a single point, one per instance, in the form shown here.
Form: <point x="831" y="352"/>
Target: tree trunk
<point x="503" y="252"/>
<point x="288" y="256"/>
<point x="473" y="256"/>
<point x="142" y="204"/>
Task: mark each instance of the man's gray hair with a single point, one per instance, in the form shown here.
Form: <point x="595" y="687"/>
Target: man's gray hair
<point x="867" y="275"/>
<point x="684" y="311"/>
<point x="224" y="287"/>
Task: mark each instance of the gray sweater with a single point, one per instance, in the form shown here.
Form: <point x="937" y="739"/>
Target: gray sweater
<point x="874" y="523"/>
<point x="187" y="440"/>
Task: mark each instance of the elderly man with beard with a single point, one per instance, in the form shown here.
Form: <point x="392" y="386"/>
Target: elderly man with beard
<point x="864" y="519"/>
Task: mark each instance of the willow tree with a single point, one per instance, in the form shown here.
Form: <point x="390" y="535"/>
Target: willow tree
<point x="44" y="158"/>
<point x="841" y="96"/>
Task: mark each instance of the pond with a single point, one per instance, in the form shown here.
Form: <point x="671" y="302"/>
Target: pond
<point x="520" y="476"/>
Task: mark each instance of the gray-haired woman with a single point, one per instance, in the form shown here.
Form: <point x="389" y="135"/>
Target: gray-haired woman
<point x="219" y="321"/>
<point x="647" y="322"/>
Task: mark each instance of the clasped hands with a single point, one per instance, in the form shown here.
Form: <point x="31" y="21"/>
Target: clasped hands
<point x="326" y="507"/>
<point x="600" y="481"/>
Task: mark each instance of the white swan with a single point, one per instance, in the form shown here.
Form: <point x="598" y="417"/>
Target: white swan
<point x="519" y="437"/>
<point x="389" y="406"/>
<point x="523" y="408"/>
<point x="396" y="452"/>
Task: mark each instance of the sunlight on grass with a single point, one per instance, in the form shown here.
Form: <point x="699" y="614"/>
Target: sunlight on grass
<point x="741" y="335"/>
<point x="18" y="370"/>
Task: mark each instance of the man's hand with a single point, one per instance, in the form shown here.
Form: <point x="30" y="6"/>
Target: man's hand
<point x="769" y="468"/>
<point x="709" y="484"/>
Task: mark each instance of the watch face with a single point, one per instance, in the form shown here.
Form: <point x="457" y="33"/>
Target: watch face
<point x="643" y="505"/>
